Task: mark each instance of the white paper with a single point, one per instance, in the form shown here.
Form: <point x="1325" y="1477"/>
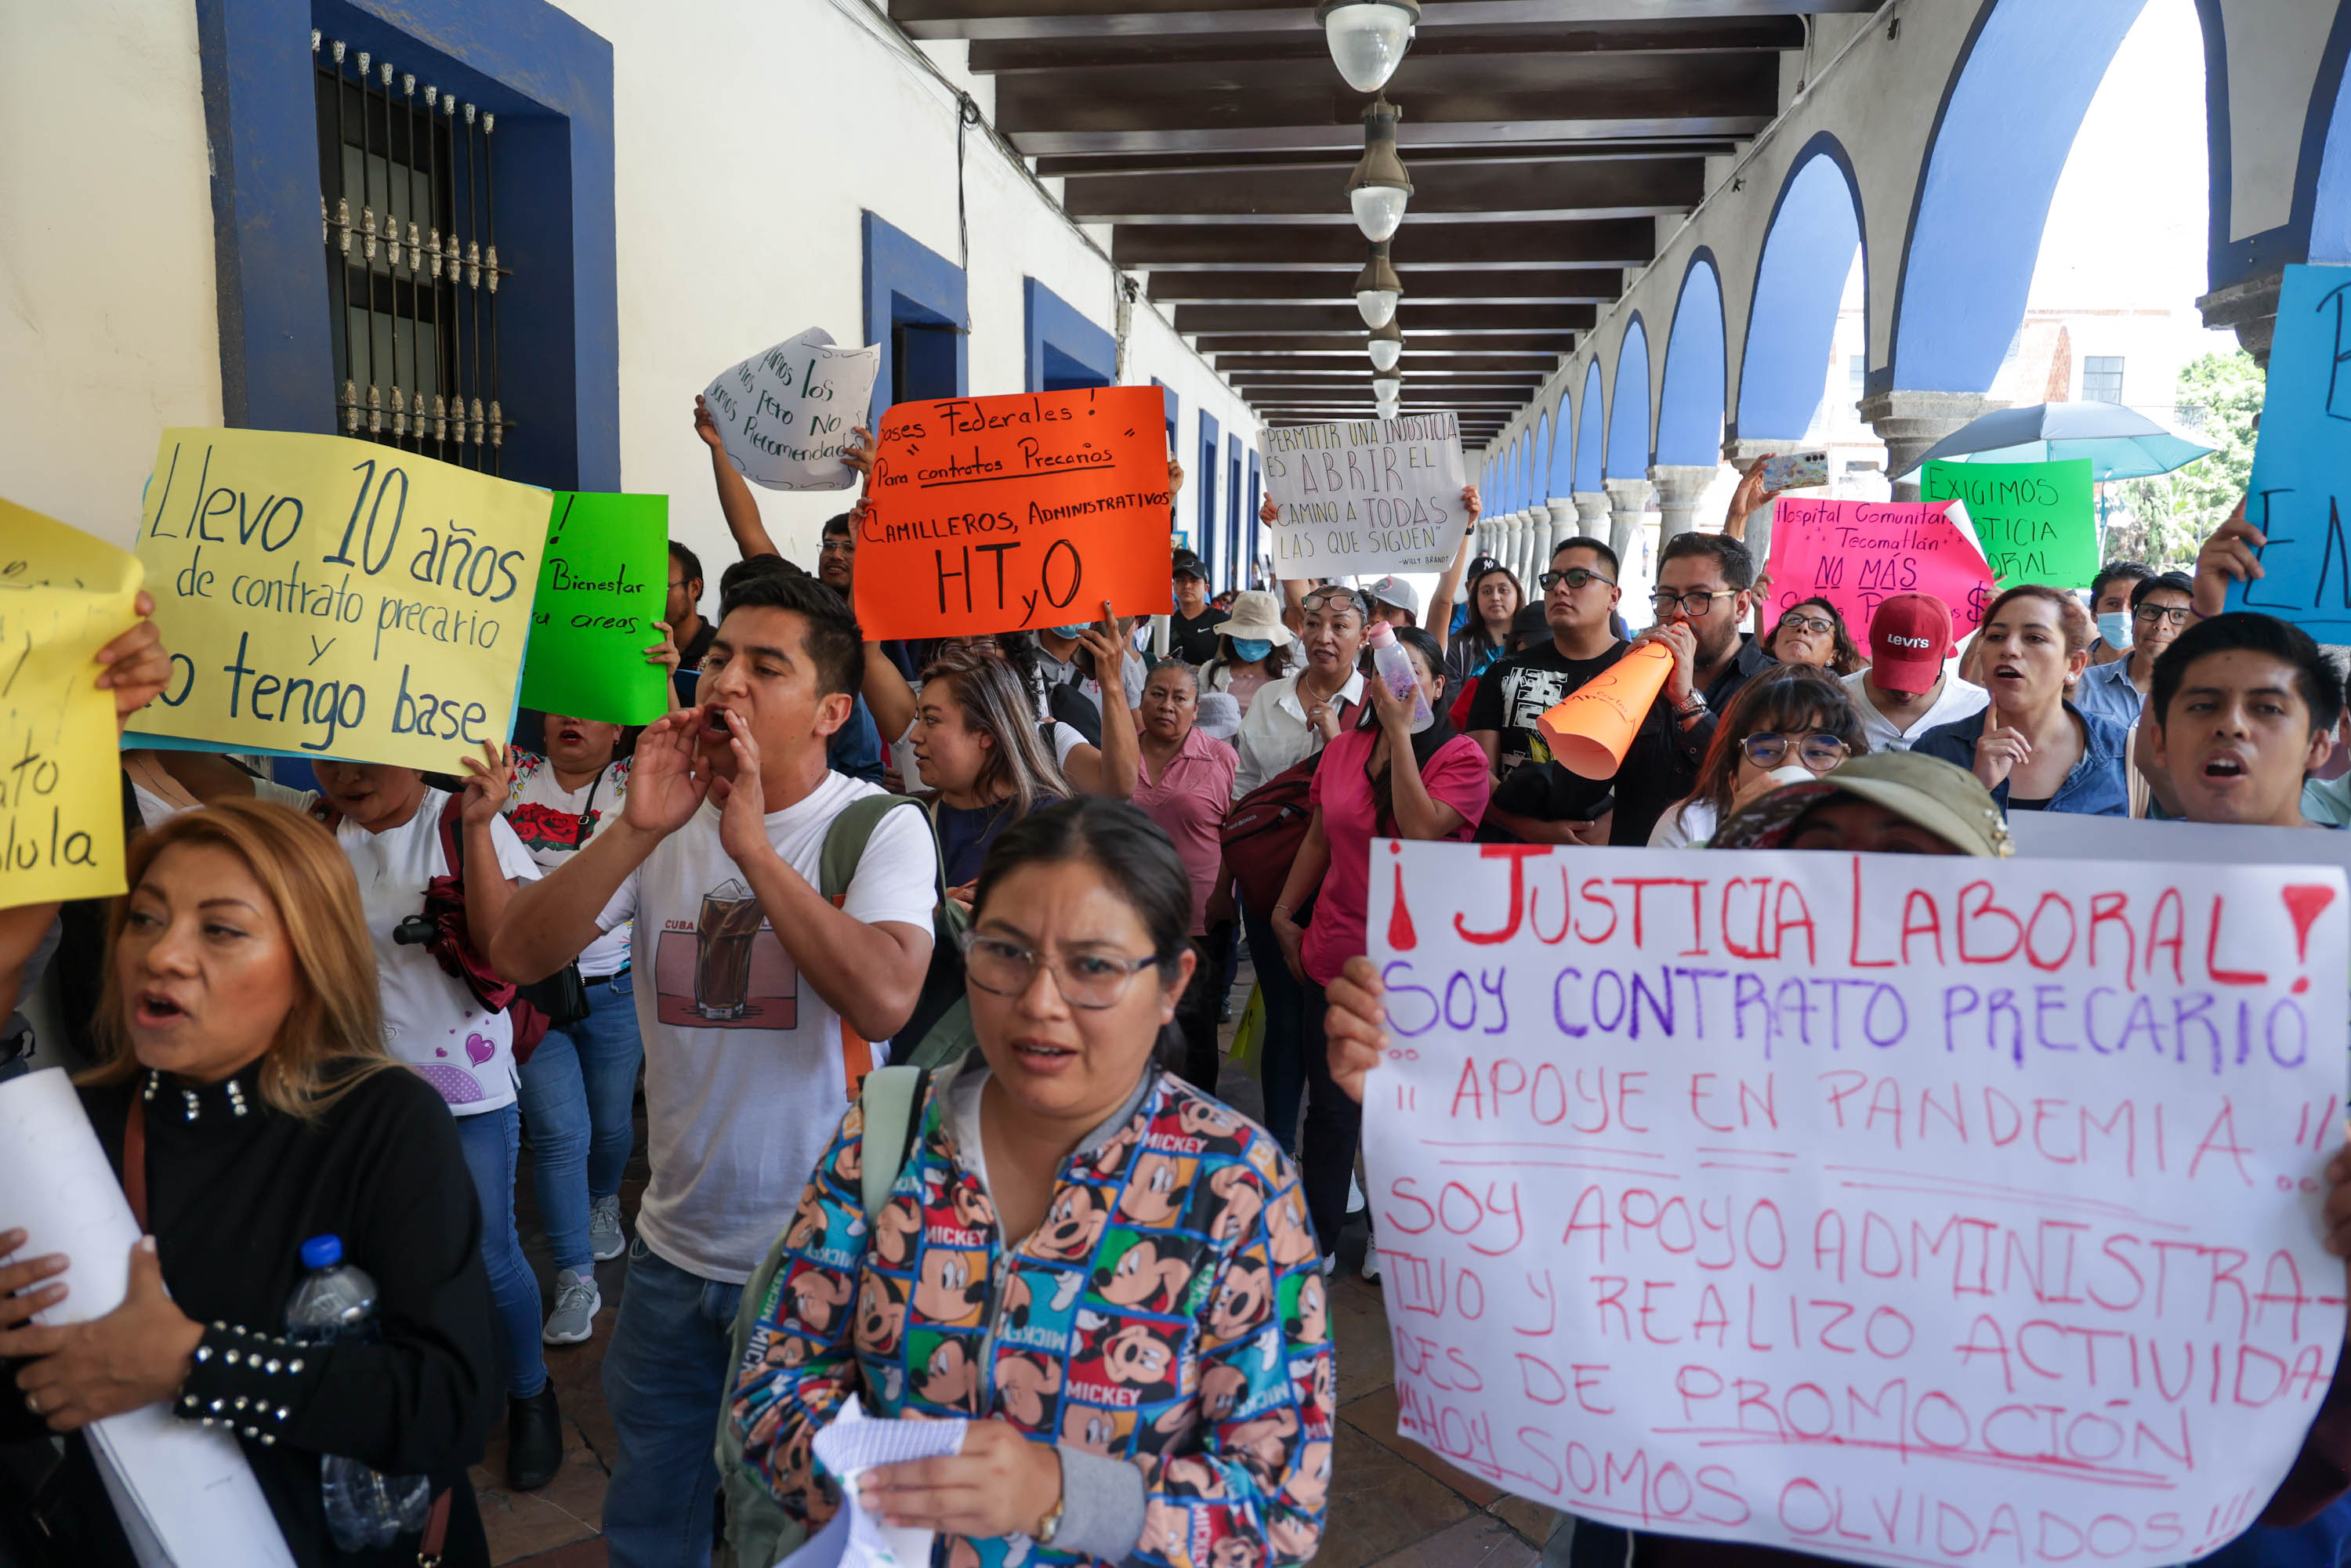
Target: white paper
<point x="185" y="1494"/>
<point x="785" y="416"/>
<point x="2062" y="835"/>
<point x="1365" y="496"/>
<point x="1904" y="1209"/>
<point x="848" y="1445"/>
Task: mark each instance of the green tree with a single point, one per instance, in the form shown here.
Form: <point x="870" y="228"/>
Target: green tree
<point x="2167" y="516"/>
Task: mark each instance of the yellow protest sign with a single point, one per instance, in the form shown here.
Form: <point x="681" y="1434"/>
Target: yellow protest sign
<point x="330" y="598"/>
<point x="63" y="596"/>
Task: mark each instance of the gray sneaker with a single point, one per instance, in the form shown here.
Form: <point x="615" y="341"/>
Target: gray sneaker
<point x="577" y="1301"/>
<point x="606" y="1239"/>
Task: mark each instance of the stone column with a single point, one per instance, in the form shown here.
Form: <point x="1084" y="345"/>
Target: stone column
<point x="1628" y="502"/>
<point x="1563" y="524"/>
<point x="1590" y="513"/>
<point x="1680" y="487"/>
<point x="2250" y="309"/>
<point x="1911" y="422"/>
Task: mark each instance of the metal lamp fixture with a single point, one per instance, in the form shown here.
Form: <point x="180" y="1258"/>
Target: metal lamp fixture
<point x="1387" y="346"/>
<point x="1379" y="187"/>
<point x="1377" y="287"/>
<point x="1368" y="37"/>
<point x="1388" y="387"/>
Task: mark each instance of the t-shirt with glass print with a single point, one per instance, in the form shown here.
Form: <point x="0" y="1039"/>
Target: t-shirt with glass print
<point x="555" y="823"/>
<point x="746" y="1067"/>
<point x="1514" y="694"/>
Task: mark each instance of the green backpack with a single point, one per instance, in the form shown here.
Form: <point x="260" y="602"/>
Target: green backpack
<point x="940" y="1030"/>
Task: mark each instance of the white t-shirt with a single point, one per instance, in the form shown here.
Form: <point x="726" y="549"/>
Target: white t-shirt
<point x="745" y="1066"/>
<point x="432" y="1020"/>
<point x="1957" y="700"/>
<point x="1063" y="672"/>
<point x="555" y="823"/>
<point x="1276" y="735"/>
<point x="154" y="811"/>
<point x="1687" y="822"/>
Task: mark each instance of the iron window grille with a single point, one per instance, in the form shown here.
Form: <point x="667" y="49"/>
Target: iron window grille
<point x="408" y="216"/>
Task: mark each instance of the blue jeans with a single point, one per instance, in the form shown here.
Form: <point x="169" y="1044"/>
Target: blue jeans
<point x="666" y="1376"/>
<point x="490" y="1139"/>
<point x="579" y="1094"/>
<point x="1281" y="1059"/>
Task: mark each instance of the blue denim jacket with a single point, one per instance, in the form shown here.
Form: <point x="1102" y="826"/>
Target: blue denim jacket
<point x="2098" y="786"/>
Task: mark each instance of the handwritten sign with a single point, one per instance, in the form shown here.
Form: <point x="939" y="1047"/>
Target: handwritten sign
<point x="323" y="596"/>
<point x="603" y="586"/>
<point x="63" y="596"/>
<point x="785" y="416"/>
<point x="2303" y="464"/>
<point x="2033" y="520"/>
<point x="1365" y="496"/>
<point x="1899" y="1209"/>
<point x="995" y="514"/>
<point x="1857" y="554"/>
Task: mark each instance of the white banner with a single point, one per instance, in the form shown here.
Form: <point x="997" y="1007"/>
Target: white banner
<point x="786" y="415"/>
<point x="1895" y="1209"/>
<point x="1366" y="497"/>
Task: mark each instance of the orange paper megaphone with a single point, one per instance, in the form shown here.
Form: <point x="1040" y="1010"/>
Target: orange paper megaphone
<point x="1590" y="732"/>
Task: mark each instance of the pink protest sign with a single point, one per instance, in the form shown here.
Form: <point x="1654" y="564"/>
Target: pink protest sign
<point x="1902" y="1210"/>
<point x="1857" y="554"/>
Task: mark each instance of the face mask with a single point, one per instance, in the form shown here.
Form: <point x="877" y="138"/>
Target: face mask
<point x="1072" y="633"/>
<point x="2114" y="628"/>
<point x="1249" y="650"/>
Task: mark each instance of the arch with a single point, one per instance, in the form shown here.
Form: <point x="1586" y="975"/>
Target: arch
<point x="1629" y="406"/>
<point x="1511" y="477"/>
<point x="2327" y="177"/>
<point x="1690" y="401"/>
<point x="1808" y="249"/>
<point x="1591" y="430"/>
<point x="2006" y="124"/>
<point x="1539" y="483"/>
<point x="1561" y="477"/>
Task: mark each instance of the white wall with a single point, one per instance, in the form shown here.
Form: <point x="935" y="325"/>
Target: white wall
<point x="108" y="320"/>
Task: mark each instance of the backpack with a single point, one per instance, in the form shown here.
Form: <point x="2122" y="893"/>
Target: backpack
<point x="940" y="1031"/>
<point x="759" y="1531"/>
<point x="1263" y="830"/>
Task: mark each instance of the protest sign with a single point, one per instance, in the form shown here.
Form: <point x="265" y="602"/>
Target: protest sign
<point x="330" y="598"/>
<point x="1857" y="554"/>
<point x="63" y="596"/>
<point x="2033" y="520"/>
<point x="785" y="416"/>
<point x="1902" y="1209"/>
<point x="2302" y="465"/>
<point x="995" y="514"/>
<point x="2063" y="835"/>
<point x="1365" y="496"/>
<point x="603" y="587"/>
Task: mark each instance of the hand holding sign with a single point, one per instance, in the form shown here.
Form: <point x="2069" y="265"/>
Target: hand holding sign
<point x="2299" y="486"/>
<point x="783" y="418"/>
<point x="596" y="605"/>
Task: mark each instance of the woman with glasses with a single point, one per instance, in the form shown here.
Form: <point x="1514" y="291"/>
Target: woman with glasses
<point x="1379" y="779"/>
<point x="1791" y="723"/>
<point x="1814" y="633"/>
<point x="1106" y="1271"/>
<point x="2030" y="745"/>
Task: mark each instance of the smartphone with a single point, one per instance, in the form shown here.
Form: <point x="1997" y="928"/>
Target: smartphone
<point x="1795" y="471"/>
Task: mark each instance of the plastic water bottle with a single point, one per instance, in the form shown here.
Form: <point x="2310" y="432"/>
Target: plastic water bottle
<point x="1393" y="665"/>
<point x="336" y="1301"/>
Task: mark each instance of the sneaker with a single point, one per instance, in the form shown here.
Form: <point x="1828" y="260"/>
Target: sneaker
<point x="1330" y="1264"/>
<point x="1371" y="1263"/>
<point x="577" y="1301"/>
<point x="1356" y="1203"/>
<point x="606" y="1239"/>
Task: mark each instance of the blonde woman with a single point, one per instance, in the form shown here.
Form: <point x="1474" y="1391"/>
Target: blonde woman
<point x="246" y="1075"/>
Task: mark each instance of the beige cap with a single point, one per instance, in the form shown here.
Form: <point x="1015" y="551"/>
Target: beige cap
<point x="1943" y="798"/>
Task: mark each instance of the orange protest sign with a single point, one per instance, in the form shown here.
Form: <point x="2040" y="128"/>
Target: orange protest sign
<point x="1000" y="513"/>
<point x="1590" y="732"/>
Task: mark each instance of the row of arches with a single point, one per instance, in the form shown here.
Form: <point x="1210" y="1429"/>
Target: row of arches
<point x="1961" y="257"/>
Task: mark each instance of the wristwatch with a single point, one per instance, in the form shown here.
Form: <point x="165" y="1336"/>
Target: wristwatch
<point x="1050" y="1525"/>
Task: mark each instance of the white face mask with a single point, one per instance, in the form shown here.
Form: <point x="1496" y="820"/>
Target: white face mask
<point x="2114" y="628"/>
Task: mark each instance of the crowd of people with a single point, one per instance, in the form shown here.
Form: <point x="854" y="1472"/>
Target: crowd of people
<point x="1026" y="864"/>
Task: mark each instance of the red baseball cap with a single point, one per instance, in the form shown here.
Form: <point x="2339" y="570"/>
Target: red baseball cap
<point x="1909" y="638"/>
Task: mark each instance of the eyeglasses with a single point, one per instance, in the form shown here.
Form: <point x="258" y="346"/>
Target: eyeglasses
<point x="678" y="581"/>
<point x="1819" y="751"/>
<point x="1575" y="577"/>
<point x="1810" y="624"/>
<point x="1006" y="969"/>
<point x="1694" y="604"/>
<point x="2151" y="613"/>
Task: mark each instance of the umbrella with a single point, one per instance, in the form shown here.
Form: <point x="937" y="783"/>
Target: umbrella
<point x="2119" y="442"/>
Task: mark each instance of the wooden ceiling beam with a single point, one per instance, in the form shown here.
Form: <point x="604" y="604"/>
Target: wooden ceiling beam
<point x="1343" y="320"/>
<point x="1560" y="189"/>
<point x="1516" y="366"/>
<point x="995" y="55"/>
<point x="1171" y="247"/>
<point x="1120" y="18"/>
<point x="1422" y="285"/>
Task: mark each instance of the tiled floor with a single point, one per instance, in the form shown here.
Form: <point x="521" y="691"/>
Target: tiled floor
<point x="1393" y="1503"/>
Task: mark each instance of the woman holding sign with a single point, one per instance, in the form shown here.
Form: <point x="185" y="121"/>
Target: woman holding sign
<point x="2031" y="747"/>
<point x="1379" y="779"/>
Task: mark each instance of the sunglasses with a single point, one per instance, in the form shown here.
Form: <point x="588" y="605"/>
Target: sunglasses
<point x="1575" y="577"/>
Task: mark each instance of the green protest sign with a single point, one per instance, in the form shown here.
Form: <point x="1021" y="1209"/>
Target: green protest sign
<point x="603" y="583"/>
<point x="2033" y="520"/>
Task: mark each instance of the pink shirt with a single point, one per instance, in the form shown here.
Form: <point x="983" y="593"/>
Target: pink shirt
<point x="1456" y="776"/>
<point x="1188" y="800"/>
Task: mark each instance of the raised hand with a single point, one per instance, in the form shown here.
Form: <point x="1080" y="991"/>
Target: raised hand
<point x="1268" y="512"/>
<point x="706" y="425"/>
<point x="666" y="785"/>
<point x="1682" y="642"/>
<point x="1356" y="1025"/>
<point x="1472" y="503"/>
<point x="488" y="782"/>
<point x="742" y="800"/>
<point x="857" y="455"/>
<point x="2000" y="751"/>
<point x="2228" y="555"/>
<point x="1109" y="648"/>
<point x="136" y="666"/>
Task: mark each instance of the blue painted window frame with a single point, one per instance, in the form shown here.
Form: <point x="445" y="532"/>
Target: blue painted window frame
<point x="1236" y="571"/>
<point x="550" y="80"/>
<point x="1252" y="522"/>
<point x="1062" y="350"/>
<point x="1208" y="453"/>
<point x="907" y="282"/>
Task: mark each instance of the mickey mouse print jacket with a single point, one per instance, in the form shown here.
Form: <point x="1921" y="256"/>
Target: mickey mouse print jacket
<point x="1164" y="1326"/>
